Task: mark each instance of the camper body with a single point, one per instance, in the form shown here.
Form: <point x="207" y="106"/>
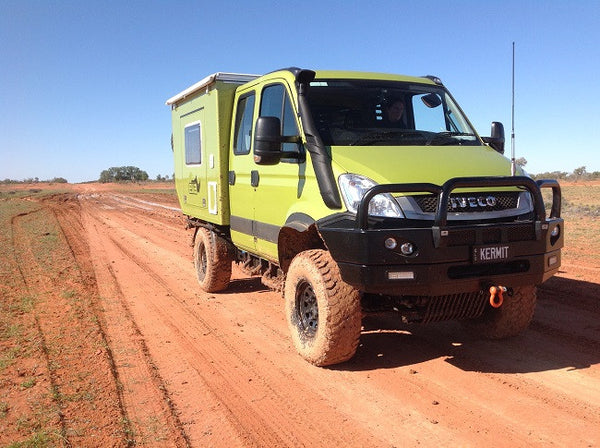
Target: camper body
<point x="303" y="177"/>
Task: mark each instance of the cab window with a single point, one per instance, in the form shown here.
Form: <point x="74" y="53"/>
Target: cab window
<point x="242" y="139"/>
<point x="275" y="102"/>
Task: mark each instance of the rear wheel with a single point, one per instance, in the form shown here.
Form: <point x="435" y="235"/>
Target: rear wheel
<point x="212" y="259"/>
<point x="512" y="318"/>
<point x="323" y="312"/>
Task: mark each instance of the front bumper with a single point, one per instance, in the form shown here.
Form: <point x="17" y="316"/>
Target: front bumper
<point x="449" y="257"/>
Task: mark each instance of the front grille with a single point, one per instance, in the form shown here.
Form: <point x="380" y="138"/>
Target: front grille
<point x="455" y="307"/>
<point x="426" y="309"/>
<point x="506" y="200"/>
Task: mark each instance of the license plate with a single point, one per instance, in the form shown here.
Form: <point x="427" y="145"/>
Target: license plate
<point x="491" y="253"/>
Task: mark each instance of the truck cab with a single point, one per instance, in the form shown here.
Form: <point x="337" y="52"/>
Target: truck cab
<point x="354" y="192"/>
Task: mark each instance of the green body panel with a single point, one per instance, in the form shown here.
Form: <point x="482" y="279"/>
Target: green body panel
<point x="202" y="188"/>
<point x="338" y="74"/>
<point x="413" y="164"/>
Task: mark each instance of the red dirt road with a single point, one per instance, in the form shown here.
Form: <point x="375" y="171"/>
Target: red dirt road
<point x="216" y="370"/>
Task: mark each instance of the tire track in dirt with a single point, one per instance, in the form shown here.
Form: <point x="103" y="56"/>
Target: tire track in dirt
<point x="69" y="220"/>
<point x="498" y="392"/>
<point x="280" y="336"/>
<point x="177" y="434"/>
<point x="291" y="377"/>
<point x="214" y="404"/>
<point x="18" y="239"/>
<point x="182" y="347"/>
<point x="245" y="414"/>
<point x="68" y="216"/>
<point x="569" y="311"/>
<point x="154" y="419"/>
<point x="78" y="392"/>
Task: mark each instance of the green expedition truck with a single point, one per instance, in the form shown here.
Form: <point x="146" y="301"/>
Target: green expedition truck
<point x="357" y="192"/>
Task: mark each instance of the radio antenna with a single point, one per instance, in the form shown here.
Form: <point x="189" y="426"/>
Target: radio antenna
<point x="513" y="163"/>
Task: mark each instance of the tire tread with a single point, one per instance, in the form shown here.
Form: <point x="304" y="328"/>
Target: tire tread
<point x="339" y="332"/>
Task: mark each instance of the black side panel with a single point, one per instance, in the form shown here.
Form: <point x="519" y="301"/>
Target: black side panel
<point x="261" y="230"/>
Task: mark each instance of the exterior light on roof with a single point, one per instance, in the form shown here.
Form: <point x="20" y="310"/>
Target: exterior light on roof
<point x="435" y="79"/>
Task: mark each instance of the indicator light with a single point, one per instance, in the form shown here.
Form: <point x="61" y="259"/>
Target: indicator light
<point x="407" y="249"/>
<point x="390" y="243"/>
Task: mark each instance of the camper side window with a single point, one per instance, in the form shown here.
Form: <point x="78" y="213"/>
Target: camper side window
<point x="242" y="138"/>
<point x="193" y="144"/>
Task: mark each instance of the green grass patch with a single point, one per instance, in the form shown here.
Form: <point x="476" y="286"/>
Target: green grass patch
<point x="24" y="305"/>
<point x="4" y="407"/>
<point x="166" y="191"/>
<point x="577" y="200"/>
<point x="581" y="210"/>
<point x="10" y="211"/>
<point x="10" y="329"/>
<point x="581" y="200"/>
<point x="8" y="357"/>
<point x="69" y="294"/>
<point x="7" y="193"/>
<point x="128" y="188"/>
<point x="28" y="384"/>
<point x="39" y="439"/>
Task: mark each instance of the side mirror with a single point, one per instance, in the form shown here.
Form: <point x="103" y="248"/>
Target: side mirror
<point x="267" y="141"/>
<point x="496" y="140"/>
<point x="431" y="100"/>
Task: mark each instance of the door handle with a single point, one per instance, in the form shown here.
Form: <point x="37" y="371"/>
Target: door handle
<point x="254" y="178"/>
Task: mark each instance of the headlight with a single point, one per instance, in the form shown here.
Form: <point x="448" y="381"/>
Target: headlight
<point x="354" y="187"/>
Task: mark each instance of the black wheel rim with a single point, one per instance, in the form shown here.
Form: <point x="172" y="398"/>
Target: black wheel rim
<point x="307" y="309"/>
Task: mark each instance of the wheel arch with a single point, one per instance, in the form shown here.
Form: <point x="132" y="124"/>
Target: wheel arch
<point x="197" y="224"/>
<point x="297" y="235"/>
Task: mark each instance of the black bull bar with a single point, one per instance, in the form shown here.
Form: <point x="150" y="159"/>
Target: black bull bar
<point x="444" y="191"/>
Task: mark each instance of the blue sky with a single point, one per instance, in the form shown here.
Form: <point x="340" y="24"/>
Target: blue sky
<point x="83" y="84"/>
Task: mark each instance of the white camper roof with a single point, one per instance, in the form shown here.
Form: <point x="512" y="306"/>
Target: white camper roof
<point x="237" y="78"/>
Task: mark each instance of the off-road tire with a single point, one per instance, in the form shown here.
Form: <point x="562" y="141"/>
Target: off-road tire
<point x="212" y="260"/>
<point x="323" y="312"/>
<point x="511" y="319"/>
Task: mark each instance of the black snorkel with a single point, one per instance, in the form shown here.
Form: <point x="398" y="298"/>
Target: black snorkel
<point x="320" y="156"/>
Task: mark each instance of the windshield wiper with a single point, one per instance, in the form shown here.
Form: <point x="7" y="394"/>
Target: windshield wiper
<point x="447" y="138"/>
<point x="383" y="136"/>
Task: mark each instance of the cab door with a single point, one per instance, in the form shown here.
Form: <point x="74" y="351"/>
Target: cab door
<point x="277" y="187"/>
<point x="241" y="166"/>
<point x="261" y="195"/>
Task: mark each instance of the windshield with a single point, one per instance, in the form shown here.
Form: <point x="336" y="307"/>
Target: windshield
<point x="359" y="112"/>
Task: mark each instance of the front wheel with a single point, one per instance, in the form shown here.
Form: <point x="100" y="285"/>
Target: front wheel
<point x="323" y="312"/>
<point x="512" y="318"/>
<point x="212" y="260"/>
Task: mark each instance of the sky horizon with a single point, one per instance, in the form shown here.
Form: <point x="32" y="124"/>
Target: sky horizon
<point x="83" y="85"/>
